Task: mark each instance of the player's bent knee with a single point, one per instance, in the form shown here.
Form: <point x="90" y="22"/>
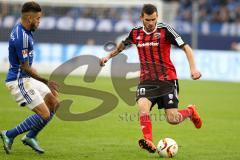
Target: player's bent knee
<point x="52" y="102"/>
<point x="172" y="116"/>
<point x="173" y="120"/>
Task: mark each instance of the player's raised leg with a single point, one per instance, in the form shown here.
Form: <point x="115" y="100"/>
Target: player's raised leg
<point x="146" y="125"/>
<point x="175" y="116"/>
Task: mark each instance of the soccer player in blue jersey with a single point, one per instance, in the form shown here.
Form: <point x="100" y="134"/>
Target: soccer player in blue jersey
<point x="26" y="86"/>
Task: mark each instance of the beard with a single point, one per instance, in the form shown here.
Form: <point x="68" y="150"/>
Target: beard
<point x="149" y="28"/>
<point x="33" y="27"/>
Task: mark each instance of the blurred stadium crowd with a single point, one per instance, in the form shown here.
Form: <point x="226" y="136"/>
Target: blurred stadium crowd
<point x="113" y="13"/>
<point x="215" y="11"/>
<point x="216" y="17"/>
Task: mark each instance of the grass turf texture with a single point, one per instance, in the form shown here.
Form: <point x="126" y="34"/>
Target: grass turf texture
<point x="115" y="135"/>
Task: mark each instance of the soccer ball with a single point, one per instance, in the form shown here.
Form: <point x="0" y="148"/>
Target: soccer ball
<point x="167" y="148"/>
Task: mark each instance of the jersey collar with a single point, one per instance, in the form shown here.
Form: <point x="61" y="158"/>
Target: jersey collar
<point x="149" y="32"/>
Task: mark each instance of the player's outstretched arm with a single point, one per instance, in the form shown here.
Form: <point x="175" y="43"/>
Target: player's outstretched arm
<point x="32" y="73"/>
<point x="115" y="52"/>
<point x="195" y="74"/>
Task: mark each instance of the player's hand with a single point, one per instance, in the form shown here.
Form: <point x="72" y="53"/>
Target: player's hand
<point x="53" y="86"/>
<point x="103" y="61"/>
<point x="34" y="70"/>
<point x="195" y="74"/>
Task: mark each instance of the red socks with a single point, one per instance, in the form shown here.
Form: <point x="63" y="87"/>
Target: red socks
<point x="146" y="126"/>
<point x="185" y="113"/>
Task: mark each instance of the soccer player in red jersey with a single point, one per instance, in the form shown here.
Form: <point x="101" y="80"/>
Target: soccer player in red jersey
<point x="158" y="78"/>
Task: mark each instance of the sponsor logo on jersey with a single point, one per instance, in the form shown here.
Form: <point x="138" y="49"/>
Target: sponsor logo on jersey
<point x="157" y="35"/>
<point x="147" y="44"/>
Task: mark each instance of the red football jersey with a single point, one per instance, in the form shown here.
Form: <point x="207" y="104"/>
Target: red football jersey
<point x="154" y="51"/>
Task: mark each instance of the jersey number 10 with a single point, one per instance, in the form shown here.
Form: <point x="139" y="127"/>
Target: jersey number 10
<point x="141" y="91"/>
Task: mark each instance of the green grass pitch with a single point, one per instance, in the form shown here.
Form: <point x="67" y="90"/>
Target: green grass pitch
<point x="114" y="136"/>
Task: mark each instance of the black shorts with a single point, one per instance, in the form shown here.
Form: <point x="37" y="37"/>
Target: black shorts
<point x="164" y="93"/>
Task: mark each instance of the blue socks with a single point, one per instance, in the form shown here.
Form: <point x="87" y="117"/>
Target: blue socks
<point x="34" y="132"/>
<point x="34" y="124"/>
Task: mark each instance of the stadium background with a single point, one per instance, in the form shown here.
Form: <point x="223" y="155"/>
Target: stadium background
<point x="75" y="28"/>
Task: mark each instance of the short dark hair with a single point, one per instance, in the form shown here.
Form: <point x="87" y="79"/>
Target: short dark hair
<point x="148" y="9"/>
<point x="31" y="7"/>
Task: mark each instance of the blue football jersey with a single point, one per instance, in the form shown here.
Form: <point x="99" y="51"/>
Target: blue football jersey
<point x="20" y="50"/>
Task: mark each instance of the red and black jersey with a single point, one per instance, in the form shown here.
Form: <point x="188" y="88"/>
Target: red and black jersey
<point x="154" y="51"/>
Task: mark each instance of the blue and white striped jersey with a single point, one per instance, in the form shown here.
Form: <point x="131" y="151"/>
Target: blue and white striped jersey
<point x="20" y="50"/>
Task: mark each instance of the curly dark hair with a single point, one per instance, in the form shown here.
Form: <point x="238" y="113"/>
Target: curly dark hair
<point x="31" y="7"/>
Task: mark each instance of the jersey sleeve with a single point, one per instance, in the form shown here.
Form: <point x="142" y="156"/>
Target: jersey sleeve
<point x="174" y="37"/>
<point x="21" y="46"/>
<point x="129" y="40"/>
